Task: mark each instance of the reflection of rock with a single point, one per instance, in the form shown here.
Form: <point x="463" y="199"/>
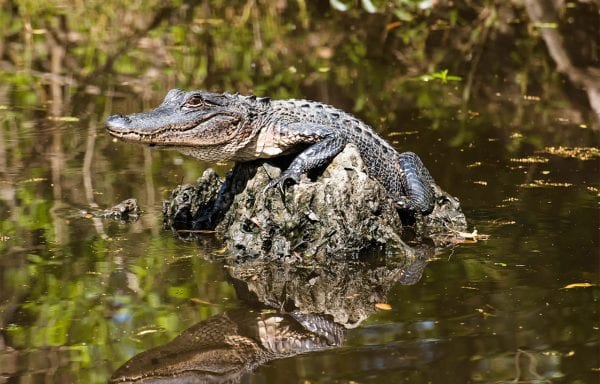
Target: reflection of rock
<point x="348" y="291"/>
<point x="224" y="347"/>
<point x="343" y="212"/>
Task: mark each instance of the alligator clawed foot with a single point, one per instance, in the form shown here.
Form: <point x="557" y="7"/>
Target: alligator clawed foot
<point x="280" y="182"/>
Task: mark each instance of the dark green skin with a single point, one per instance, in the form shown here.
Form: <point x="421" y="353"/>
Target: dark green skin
<point x="230" y="127"/>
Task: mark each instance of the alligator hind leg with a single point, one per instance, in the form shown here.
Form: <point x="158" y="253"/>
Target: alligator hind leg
<point x="417" y="184"/>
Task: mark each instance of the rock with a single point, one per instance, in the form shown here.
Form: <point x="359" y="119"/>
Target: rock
<point x="343" y="212"/>
<point x="127" y="211"/>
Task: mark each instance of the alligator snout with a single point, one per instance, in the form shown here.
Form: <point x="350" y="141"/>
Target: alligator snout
<point x="118" y="122"/>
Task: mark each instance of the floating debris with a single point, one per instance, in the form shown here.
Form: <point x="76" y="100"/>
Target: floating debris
<point x="530" y="160"/>
<point x="542" y="183"/>
<point x="475" y="164"/>
<point x="405" y="133"/>
<point x="472" y="235"/>
<point x="484" y="312"/>
<point x="504" y="222"/>
<point x="580" y="153"/>
<point x="459" y="237"/>
<point x="594" y="190"/>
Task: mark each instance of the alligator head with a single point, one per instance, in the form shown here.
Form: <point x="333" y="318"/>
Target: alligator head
<point x="197" y="119"/>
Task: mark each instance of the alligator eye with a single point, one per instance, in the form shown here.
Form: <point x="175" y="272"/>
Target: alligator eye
<point x="194" y="101"/>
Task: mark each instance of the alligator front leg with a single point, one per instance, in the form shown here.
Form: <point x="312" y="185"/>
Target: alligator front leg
<point x="315" y="156"/>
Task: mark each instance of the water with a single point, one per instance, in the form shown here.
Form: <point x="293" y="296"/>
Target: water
<point x="80" y="296"/>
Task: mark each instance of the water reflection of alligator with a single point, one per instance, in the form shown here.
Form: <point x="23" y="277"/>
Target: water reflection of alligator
<point x="315" y="307"/>
<point x="224" y="347"/>
<point x="223" y="127"/>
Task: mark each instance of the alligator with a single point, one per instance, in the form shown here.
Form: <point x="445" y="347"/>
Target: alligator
<point x="231" y="127"/>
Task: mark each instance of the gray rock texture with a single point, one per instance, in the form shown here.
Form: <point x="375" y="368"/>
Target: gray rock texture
<point x="342" y="212"/>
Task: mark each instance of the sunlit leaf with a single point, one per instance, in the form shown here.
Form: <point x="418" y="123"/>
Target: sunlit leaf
<point x="578" y="285"/>
<point x="368" y="6"/>
<point x="393" y="25"/>
<point x="443" y="76"/>
<point x="336" y="4"/>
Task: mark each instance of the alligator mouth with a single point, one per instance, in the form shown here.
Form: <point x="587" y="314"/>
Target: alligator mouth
<point x="122" y="127"/>
<point x="152" y="138"/>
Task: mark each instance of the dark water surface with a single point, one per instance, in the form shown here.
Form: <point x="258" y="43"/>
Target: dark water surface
<point x="79" y="296"/>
